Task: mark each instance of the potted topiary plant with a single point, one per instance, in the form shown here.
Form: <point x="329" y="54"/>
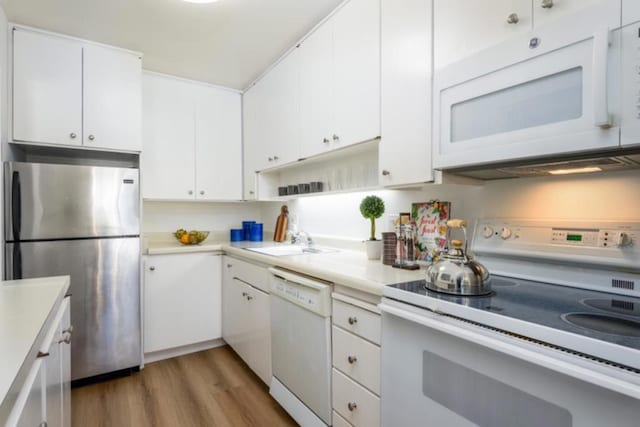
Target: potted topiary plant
<point x="372" y="208"/>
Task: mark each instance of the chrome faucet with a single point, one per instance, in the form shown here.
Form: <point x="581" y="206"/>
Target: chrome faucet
<point x="302" y="237"/>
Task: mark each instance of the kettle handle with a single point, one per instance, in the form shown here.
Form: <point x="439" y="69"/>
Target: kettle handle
<point x="457" y="223"/>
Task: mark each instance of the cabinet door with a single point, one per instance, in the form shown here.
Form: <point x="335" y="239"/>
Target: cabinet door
<point x="356" y="64"/>
<point x="112" y="98"/>
<point x="54" y="382"/>
<point x="168" y="169"/>
<point x="252" y="129"/>
<point x="29" y="408"/>
<point x="280" y="114"/>
<point x="236" y="317"/>
<point x="259" y="349"/>
<point x="65" y="364"/>
<point x="218" y="136"/>
<point x="463" y="27"/>
<point x="316" y="92"/>
<point x="182" y="300"/>
<point x="47" y="89"/>
<point x="549" y="10"/>
<point x="405" y="147"/>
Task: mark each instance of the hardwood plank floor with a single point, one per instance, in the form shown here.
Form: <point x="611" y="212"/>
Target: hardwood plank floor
<point x="208" y="388"/>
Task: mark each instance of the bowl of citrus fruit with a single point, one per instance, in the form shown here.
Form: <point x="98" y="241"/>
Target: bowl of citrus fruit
<point x="192" y="237"/>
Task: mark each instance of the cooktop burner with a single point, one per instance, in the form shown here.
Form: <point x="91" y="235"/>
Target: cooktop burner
<point x="599" y="315"/>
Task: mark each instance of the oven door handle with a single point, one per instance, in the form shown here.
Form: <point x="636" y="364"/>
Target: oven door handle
<point x="601" y="42"/>
<point x="538" y="357"/>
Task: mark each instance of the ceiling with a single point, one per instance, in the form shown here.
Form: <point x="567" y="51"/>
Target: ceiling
<point x="228" y="43"/>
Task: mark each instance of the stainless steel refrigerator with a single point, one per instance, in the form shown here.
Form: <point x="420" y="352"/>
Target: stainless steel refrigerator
<point x="82" y="221"/>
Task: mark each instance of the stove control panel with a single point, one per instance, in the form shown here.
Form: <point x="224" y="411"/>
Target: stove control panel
<point x="612" y="243"/>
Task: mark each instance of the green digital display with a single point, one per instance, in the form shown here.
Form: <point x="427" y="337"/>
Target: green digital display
<point x="574" y="237"/>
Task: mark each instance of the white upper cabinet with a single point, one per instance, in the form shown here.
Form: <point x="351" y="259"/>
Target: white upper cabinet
<point x="192" y="141"/>
<point x="74" y="93"/>
<point x="168" y="109"/>
<point x="112" y="99"/>
<point x="251" y="153"/>
<point x="356" y="60"/>
<point x="405" y="147"/>
<point x="316" y="92"/>
<point x="463" y="27"/>
<point x="278" y="108"/>
<point x="218" y="136"/>
<point x="545" y="11"/>
<point x="340" y="80"/>
<point x="47" y="89"/>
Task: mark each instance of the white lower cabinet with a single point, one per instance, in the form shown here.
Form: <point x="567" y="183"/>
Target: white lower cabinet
<point x="181" y="300"/>
<point x="246" y="314"/>
<point x="356" y="362"/>
<point x="45" y="397"/>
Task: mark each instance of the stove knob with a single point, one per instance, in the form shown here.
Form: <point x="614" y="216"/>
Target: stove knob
<point x="505" y="233"/>
<point x="623" y="239"/>
<point x="487" y="231"/>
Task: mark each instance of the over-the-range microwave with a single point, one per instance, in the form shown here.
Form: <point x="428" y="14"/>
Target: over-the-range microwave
<point x="570" y="88"/>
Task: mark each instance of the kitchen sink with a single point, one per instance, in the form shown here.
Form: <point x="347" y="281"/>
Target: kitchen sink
<point x="288" y="250"/>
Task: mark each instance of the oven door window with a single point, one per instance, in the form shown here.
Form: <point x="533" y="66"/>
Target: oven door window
<point x="550" y="99"/>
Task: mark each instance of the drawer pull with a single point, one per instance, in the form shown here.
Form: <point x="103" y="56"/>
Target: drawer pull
<point x="249" y="297"/>
<point x="352" y="406"/>
<point x="353" y="320"/>
<point x="352" y="359"/>
<point x="229" y="265"/>
<point x="244" y="294"/>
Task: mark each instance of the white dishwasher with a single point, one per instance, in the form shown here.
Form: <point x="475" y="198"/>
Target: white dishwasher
<point x="301" y="346"/>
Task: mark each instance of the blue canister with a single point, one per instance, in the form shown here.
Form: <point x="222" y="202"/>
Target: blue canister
<point x="256" y="232"/>
<point x="237" y="234"/>
<point x="246" y="226"/>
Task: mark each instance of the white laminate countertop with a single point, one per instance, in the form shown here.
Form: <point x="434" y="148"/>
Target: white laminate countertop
<point x="26" y="307"/>
<point x="344" y="267"/>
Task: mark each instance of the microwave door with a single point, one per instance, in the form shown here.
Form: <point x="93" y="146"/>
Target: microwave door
<point x="555" y="102"/>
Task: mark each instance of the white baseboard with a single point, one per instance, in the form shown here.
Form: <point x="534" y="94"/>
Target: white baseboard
<point x="181" y="351"/>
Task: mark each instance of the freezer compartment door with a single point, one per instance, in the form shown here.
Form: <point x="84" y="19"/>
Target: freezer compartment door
<point x="49" y="201"/>
<point x="105" y="297"/>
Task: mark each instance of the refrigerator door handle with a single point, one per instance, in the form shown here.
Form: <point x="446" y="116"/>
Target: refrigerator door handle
<point x="16" y="205"/>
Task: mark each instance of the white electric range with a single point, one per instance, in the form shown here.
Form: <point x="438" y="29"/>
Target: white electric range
<point x="556" y="343"/>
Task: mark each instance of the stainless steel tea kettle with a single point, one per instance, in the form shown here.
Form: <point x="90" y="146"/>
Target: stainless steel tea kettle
<point x="456" y="273"/>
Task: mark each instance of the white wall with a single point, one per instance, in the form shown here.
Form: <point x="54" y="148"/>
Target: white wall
<point x="169" y="216"/>
<point x="596" y="196"/>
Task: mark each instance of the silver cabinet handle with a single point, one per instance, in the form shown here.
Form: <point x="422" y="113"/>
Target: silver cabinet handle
<point x="43" y="424"/>
<point x="352" y="320"/>
<point x="152" y="268"/>
<point x="270" y="159"/>
<point x="513" y="18"/>
<point x="325" y="141"/>
<point x="229" y="265"/>
<point x="69" y="330"/>
<point x="190" y="192"/>
<point x="547" y="4"/>
<point x="202" y="192"/>
<point x="244" y="294"/>
<point x="72" y="135"/>
<point x="66" y="339"/>
<point x="336" y="138"/>
<point x="249" y="297"/>
<point x="276" y="157"/>
<point x="42" y="354"/>
<point x="352" y="359"/>
<point x="251" y="192"/>
<point x="352" y="406"/>
<point x="91" y="137"/>
<point x="386" y="172"/>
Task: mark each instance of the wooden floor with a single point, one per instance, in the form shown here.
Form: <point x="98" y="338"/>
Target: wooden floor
<point x="209" y="388"/>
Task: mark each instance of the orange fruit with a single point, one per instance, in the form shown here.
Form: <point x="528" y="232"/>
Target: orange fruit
<point x="184" y="238"/>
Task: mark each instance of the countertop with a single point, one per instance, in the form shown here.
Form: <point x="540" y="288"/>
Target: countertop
<point x="344" y="267"/>
<point x="26" y="308"/>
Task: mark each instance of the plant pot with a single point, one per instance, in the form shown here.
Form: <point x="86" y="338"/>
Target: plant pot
<point x="374" y="248"/>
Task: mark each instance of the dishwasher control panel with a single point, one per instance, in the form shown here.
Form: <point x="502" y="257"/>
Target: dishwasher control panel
<point x="311" y="294"/>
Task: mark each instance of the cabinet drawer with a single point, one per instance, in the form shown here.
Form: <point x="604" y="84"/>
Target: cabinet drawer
<point x="357" y="358"/>
<point x="338" y="421"/>
<point x="357" y="405"/>
<point x="252" y="274"/>
<point x="357" y="320"/>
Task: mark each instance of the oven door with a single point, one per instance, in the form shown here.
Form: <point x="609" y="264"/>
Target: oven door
<point x="553" y="91"/>
<point x="439" y="371"/>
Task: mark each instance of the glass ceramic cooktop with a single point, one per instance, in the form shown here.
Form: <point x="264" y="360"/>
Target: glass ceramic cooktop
<point x="603" y="316"/>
